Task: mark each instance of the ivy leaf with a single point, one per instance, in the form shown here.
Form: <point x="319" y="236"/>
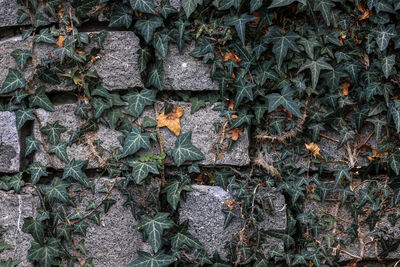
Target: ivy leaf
<point x="174" y="190"/>
<point x="243" y="118"/>
<point x="383" y="35"/>
<point x="280" y="3"/>
<point x="60" y="150"/>
<point x="139" y="100"/>
<point x="45" y="253"/>
<point x="155" y="77"/>
<point x="394" y="162"/>
<point x="345" y="136"/>
<point x="324" y="6"/>
<point x="41" y="20"/>
<point x="166" y="8"/>
<point x="134" y="141"/>
<point x="34" y="228"/>
<point x="144" y="58"/>
<point x="74" y="170"/>
<point x="160" y="43"/>
<point x="22" y="116"/>
<point x="121" y="17"/>
<point x="259" y="111"/>
<point x="341" y="172"/>
<point x="140" y="170"/>
<point x="197" y="104"/>
<point x="189" y="6"/>
<point x="57" y="190"/>
<point x="147" y="27"/>
<point x="45" y="37"/>
<point x="53" y="132"/>
<point x="281" y="43"/>
<point x="21" y="57"/>
<point x="387" y="65"/>
<point x="315" y="67"/>
<point x="184" y="150"/>
<point x="13" y="81"/>
<point x="255" y="4"/>
<point x="16" y="182"/>
<point x="145" y="6"/>
<point x="395" y="111"/>
<point x="285" y="99"/>
<point x="147" y="260"/>
<point x="227" y="4"/>
<point x="41" y="100"/>
<point x="154" y="227"/>
<point x="36" y="171"/>
<point x="182" y="237"/>
<point x="31" y="144"/>
<point x="99" y="106"/>
<point x="240" y="24"/>
<point x="243" y="90"/>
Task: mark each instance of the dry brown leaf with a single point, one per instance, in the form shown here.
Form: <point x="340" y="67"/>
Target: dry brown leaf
<point x="60" y="40"/>
<point x="366" y="13"/>
<point x="258" y="17"/>
<point x="314" y="149"/>
<point x="235" y="134"/>
<point x="171" y="120"/>
<point x="232" y="56"/>
<point x="345" y="88"/>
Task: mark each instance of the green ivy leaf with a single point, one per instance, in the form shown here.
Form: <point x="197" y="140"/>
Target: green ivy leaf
<point x="244" y="90"/>
<point x="99" y="106"/>
<point x="394" y="162"/>
<point x="147" y="27"/>
<point x="285" y="99"/>
<point x="145" y="6"/>
<point x="36" y="171"/>
<point x="139" y="100"/>
<point x="22" y="116"/>
<point x="45" y="37"/>
<point x="341" y="172"/>
<point x="147" y="260"/>
<point x="324" y="6"/>
<point x="197" y="104"/>
<point x="182" y="237"/>
<point x="227" y="4"/>
<point x="34" y="228"/>
<point x="160" y="43"/>
<point x="243" y="118"/>
<point x="155" y="77"/>
<point x="13" y="81"/>
<point x="121" y="17"/>
<point x="60" y="150"/>
<point x="40" y="99"/>
<point x="388" y="64"/>
<point x="21" y="57"/>
<point x="315" y="67"/>
<point x="53" y="132"/>
<point x="144" y="58"/>
<point x="240" y="24"/>
<point x="184" y="150"/>
<point x="45" y="253"/>
<point x="174" y="189"/>
<point x="31" y="144"/>
<point x="383" y="35"/>
<point x="166" y="8"/>
<point x="154" y="227"/>
<point x="280" y="3"/>
<point x="189" y="6"/>
<point x="134" y="141"/>
<point x="57" y="190"/>
<point x="140" y="170"/>
<point x="255" y="4"/>
<point x="74" y="170"/>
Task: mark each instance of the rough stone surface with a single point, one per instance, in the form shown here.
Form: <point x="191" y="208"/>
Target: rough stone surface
<point x="203" y="208"/>
<point x="183" y="72"/>
<point x="8" y="13"/>
<point x="204" y="136"/>
<point x="13" y="209"/>
<point x="9" y="143"/>
<point x="115" y="242"/>
<point x="118" y="61"/>
<point x="66" y="117"/>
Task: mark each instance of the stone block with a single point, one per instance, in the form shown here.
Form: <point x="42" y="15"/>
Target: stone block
<point x="115" y="242"/>
<point x="8" y="13"/>
<point x="13" y="209"/>
<point x="118" y="63"/>
<point x="203" y="208"/>
<point x="66" y="117"/>
<point x="184" y="72"/>
<point x="9" y="143"/>
<point x="204" y="136"/>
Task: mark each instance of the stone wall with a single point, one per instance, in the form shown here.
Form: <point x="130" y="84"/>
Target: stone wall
<point x="115" y="242"/>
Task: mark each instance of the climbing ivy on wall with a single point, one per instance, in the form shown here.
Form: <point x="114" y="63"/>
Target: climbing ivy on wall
<point x="289" y="70"/>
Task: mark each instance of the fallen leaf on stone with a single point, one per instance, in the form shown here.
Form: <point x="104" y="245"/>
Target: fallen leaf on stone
<point x="171" y="120"/>
<point x="235" y="134"/>
<point x="60" y="40"/>
<point x="314" y="149"/>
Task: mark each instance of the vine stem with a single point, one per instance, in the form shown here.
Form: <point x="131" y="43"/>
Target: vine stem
<point x="161" y="142"/>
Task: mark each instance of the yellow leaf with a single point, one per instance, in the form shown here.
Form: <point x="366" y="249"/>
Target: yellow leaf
<point x="235" y="134"/>
<point x="171" y="120"/>
<point x="314" y="149"/>
<point x="60" y="40"/>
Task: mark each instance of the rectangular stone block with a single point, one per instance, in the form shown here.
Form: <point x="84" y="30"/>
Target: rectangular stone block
<point x="66" y="117"/>
<point x="115" y="242"/>
<point x="204" y="135"/>
<point x="117" y="63"/>
<point x="13" y="209"/>
<point x="184" y="72"/>
<point x="8" y="13"/>
<point x="203" y="208"/>
<point x="10" y="147"/>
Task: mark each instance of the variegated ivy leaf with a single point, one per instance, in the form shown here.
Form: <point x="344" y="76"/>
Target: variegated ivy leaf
<point x="139" y="100"/>
<point x="140" y="170"/>
<point x="324" y="6"/>
<point x="174" y="190"/>
<point x="134" y="141"/>
<point x="45" y="37"/>
<point x="36" y="171"/>
<point x="383" y="35"/>
<point x="388" y="64"/>
<point x="155" y="77"/>
<point x="13" y="81"/>
<point x="53" y="132"/>
<point x="23" y="115"/>
<point x="315" y="67"/>
<point x="154" y="227"/>
<point x="21" y="57"/>
<point x="240" y="24"/>
<point x="160" y="43"/>
<point x="60" y="150"/>
<point x="148" y="26"/>
<point x="146" y="259"/>
<point x="40" y="99"/>
<point x="285" y="99"/>
<point x="45" y="253"/>
<point x="145" y="6"/>
<point x="74" y="170"/>
<point x="121" y="17"/>
<point x="57" y="190"/>
<point x="184" y="150"/>
<point x="189" y="6"/>
<point x="183" y="237"/>
<point x="31" y="144"/>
